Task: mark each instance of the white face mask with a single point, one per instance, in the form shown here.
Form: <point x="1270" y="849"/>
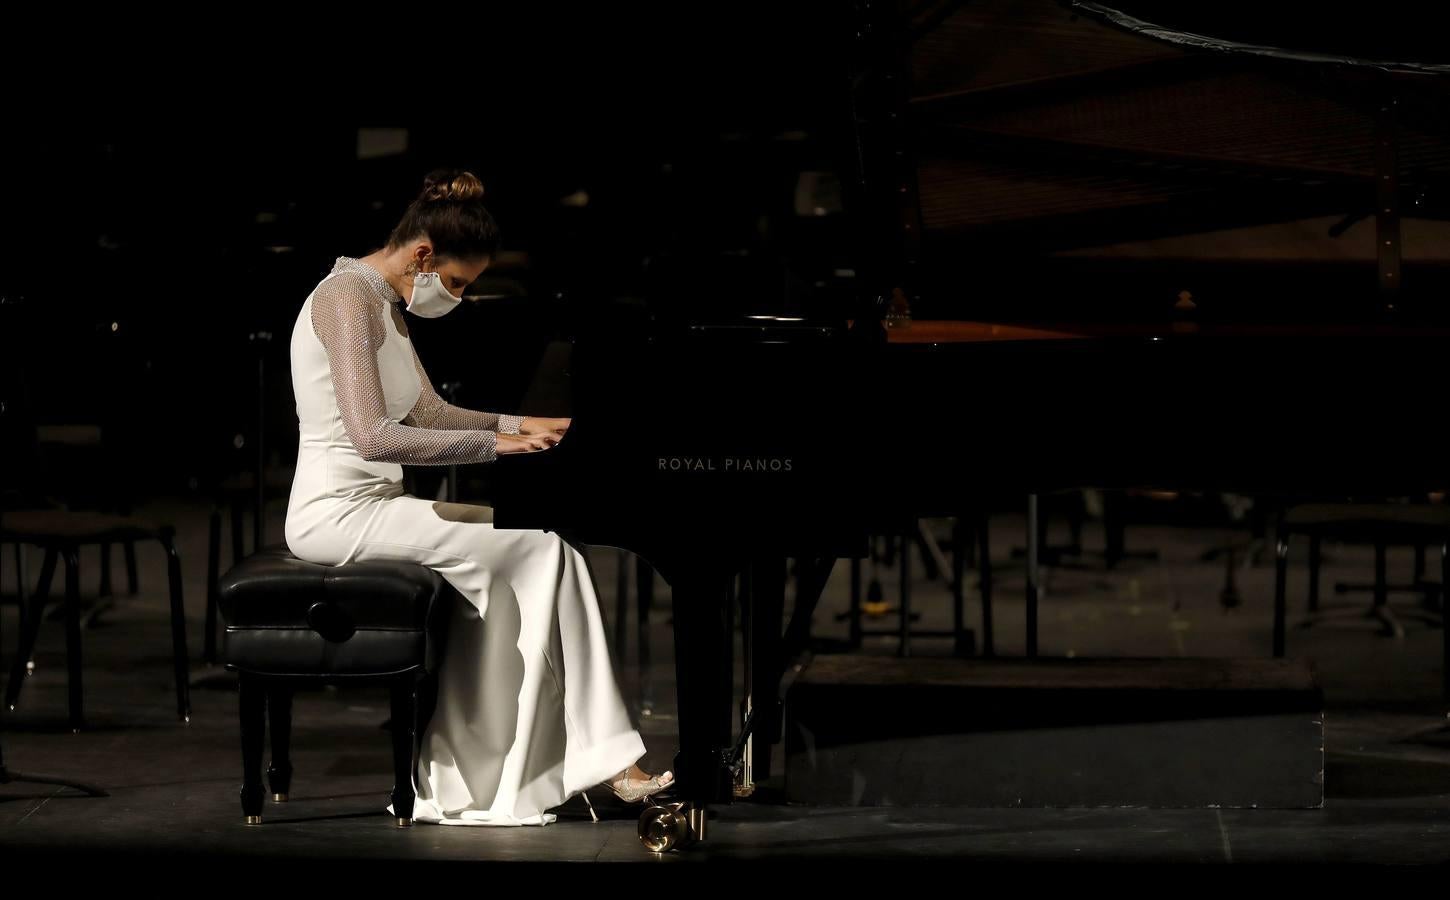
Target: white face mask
<point x="430" y="299"/>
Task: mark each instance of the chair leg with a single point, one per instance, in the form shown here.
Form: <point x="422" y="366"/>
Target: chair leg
<point x="252" y="702"/>
<point x="133" y="579"/>
<point x="73" y="636"/>
<point x="904" y="604"/>
<point x="19" y="600"/>
<point x="30" y="629"/>
<point x="279" y="719"/>
<point x="22" y="586"/>
<point x="19" y="595"/>
<point x="179" y="657"/>
<point x="1314" y="563"/>
<point x="405" y="711"/>
<point x="237" y="549"/>
<point x="960" y="541"/>
<point x="1445" y="625"/>
<point x="106" y="569"/>
<point x="1381" y="580"/>
<point x="853" y="613"/>
<point x="1281" y="574"/>
<point x="213" y="565"/>
<point x="1381" y="609"/>
<point x="984" y="578"/>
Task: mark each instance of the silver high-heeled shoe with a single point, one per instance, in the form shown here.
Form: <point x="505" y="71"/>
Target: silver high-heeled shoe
<point x="632" y="794"/>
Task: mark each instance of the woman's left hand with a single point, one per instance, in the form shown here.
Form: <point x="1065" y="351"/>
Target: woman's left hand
<point x="540" y="425"/>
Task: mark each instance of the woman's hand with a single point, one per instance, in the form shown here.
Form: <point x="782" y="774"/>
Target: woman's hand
<point x="540" y="425"/>
<point x="526" y="443"/>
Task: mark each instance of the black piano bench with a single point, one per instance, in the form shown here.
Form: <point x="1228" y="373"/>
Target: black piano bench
<point x="290" y="623"/>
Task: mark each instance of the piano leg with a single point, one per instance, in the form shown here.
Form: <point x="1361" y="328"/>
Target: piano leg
<point x="704" y="673"/>
<point x="644" y="585"/>
<point x="745" y="783"/>
<point x="767" y="613"/>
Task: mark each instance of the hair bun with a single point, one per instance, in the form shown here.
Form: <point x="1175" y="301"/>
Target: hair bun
<point x="451" y="185"/>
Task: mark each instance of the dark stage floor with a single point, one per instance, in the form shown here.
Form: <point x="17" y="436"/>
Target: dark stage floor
<point x="174" y="787"/>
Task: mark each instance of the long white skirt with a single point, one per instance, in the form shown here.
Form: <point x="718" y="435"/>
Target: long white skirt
<point x="529" y="712"/>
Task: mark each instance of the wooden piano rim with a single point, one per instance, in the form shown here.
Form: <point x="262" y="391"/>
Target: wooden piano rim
<point x="954" y="331"/>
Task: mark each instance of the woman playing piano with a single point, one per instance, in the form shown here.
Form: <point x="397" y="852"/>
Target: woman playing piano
<point x="528" y="713"/>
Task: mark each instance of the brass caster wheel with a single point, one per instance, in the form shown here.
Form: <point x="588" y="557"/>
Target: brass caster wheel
<point x="254" y="820"/>
<point x="403" y="823"/>
<point x="279" y="798"/>
<point x="664" y="828"/>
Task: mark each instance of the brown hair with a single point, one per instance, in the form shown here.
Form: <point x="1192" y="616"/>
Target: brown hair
<point x="449" y="212"/>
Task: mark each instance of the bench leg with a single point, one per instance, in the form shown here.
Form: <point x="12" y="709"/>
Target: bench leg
<point x="279" y="719"/>
<point x="405" y="709"/>
<point x="252" y="696"/>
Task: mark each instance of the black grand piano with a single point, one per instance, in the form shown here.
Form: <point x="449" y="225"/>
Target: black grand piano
<point x="1026" y="203"/>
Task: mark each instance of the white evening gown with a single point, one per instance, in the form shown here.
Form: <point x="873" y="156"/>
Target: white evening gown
<point x="529" y="713"/>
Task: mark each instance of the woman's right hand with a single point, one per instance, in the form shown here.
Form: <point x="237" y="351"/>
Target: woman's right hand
<point x="526" y="443"/>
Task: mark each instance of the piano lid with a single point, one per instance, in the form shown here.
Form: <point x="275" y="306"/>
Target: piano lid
<point x="1029" y="115"/>
<point x="1088" y="161"/>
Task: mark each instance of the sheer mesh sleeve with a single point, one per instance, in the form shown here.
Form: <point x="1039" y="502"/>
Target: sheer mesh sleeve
<point x="348" y="320"/>
<point x="432" y="411"/>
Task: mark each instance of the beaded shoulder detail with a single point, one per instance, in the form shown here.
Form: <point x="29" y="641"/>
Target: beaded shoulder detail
<point x="373" y="277"/>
